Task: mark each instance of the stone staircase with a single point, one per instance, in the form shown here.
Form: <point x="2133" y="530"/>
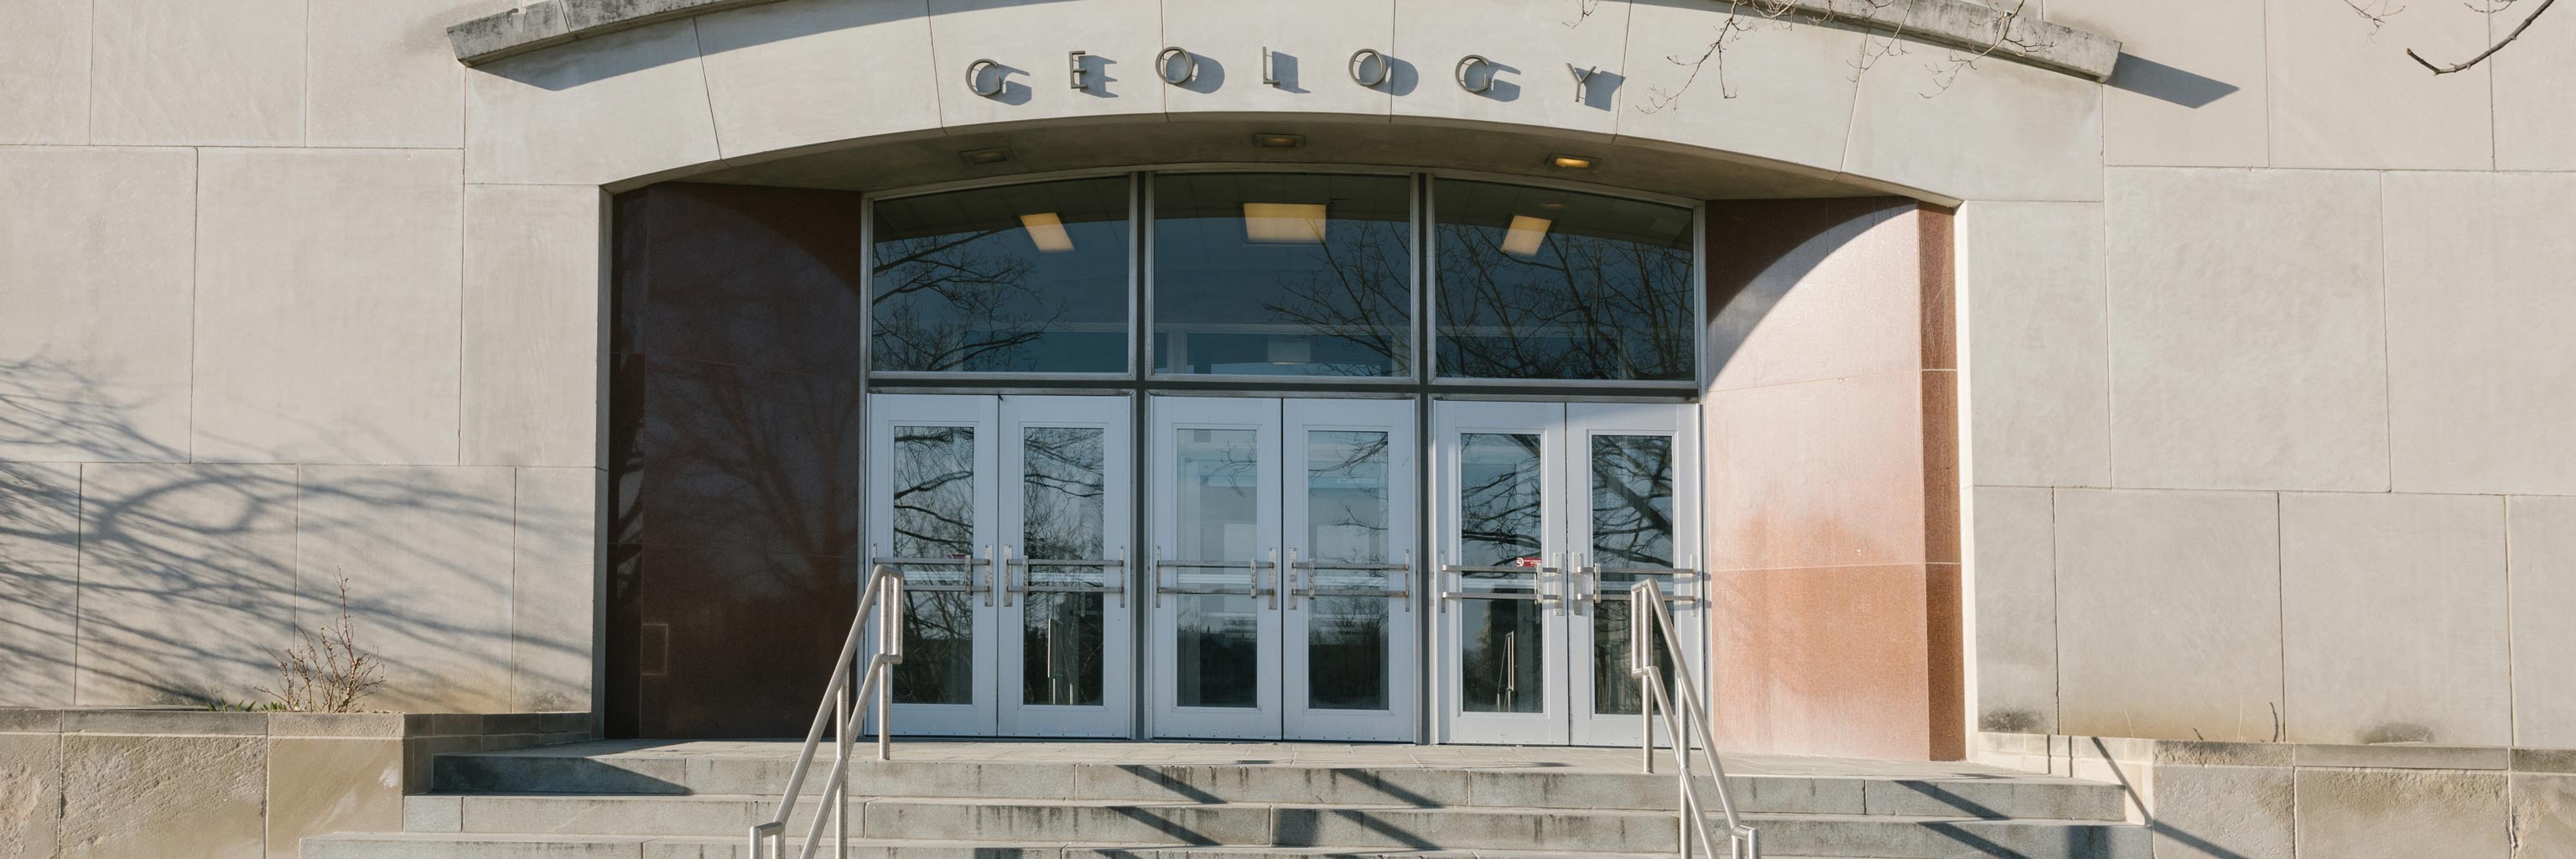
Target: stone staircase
<point x="1097" y="800"/>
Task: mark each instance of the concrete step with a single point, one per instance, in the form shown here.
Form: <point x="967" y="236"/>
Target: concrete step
<point x="1180" y="823"/>
<point x="574" y="846"/>
<point x="576" y="771"/>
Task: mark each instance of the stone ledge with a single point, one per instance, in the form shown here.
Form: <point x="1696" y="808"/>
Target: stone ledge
<point x="1950" y="23"/>
<point x="2054" y="752"/>
<point x="190" y="721"/>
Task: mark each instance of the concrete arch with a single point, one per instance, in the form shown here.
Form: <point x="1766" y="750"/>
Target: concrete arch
<point x="701" y="86"/>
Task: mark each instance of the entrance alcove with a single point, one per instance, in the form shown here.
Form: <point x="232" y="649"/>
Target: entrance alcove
<point x="1818" y="416"/>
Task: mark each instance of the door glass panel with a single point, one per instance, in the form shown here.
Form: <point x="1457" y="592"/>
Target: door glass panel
<point x="1283" y="274"/>
<point x="1538" y="283"/>
<point x="1026" y="278"/>
<point x="1500" y="520"/>
<point x="1632" y="528"/>
<point x="934" y="517"/>
<point x="1064" y="489"/>
<point x="1216" y="637"/>
<point x="1346" y="522"/>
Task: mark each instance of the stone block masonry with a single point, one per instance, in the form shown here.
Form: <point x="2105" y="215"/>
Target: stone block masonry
<point x="100" y="783"/>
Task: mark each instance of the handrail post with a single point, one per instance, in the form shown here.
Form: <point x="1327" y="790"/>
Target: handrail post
<point x="890" y="654"/>
<point x="840" y="809"/>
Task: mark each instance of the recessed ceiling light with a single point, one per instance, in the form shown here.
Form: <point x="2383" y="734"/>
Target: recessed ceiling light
<point x="1279" y="141"/>
<point x="1522" y="237"/>
<point x="1572" y="162"/>
<point x="981" y="157"/>
<point x="1046" y="230"/>
<point x="1283" y="223"/>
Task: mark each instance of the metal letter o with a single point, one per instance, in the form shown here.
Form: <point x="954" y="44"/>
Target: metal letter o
<point x="1163" y="66"/>
<point x="1468" y="63"/>
<point x="1360" y="61"/>
<point x="975" y="79"/>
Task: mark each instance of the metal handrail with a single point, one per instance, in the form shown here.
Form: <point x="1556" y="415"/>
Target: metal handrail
<point x="883" y="594"/>
<point x="1686" y="724"/>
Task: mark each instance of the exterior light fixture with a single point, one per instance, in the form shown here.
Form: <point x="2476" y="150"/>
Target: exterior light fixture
<point x="1572" y="162"/>
<point x="1283" y="223"/>
<point x="1522" y="237"/>
<point x="1046" y="230"/>
<point x="1279" y="141"/>
<point x="983" y="157"/>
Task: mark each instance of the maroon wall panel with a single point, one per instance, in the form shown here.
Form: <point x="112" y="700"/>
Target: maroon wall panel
<point x="734" y="449"/>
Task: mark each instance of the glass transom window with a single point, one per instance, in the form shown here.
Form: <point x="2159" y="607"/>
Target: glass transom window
<point x="1537" y="283"/>
<point x="1016" y="279"/>
<point x="1299" y="277"/>
<point x="1283" y="274"/>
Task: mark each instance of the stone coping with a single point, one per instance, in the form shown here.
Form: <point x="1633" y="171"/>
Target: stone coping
<point x="2413" y="756"/>
<point x="181" y="721"/>
<point x="1951" y="23"/>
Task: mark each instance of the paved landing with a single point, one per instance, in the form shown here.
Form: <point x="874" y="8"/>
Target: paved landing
<point x="1379" y="755"/>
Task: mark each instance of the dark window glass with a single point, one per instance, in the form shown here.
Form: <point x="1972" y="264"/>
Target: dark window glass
<point x="1632" y="530"/>
<point x="934" y="517"/>
<point x="1064" y="503"/>
<point x="1347" y="518"/>
<point x="1536" y="283"/>
<point x="1283" y="274"/>
<point x="1501" y="642"/>
<point x="1024" y="278"/>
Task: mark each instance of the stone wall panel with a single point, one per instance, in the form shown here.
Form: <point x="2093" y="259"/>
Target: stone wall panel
<point x="211" y="73"/>
<point x="426" y="552"/>
<point x="2541" y="533"/>
<point x="2344" y="94"/>
<point x="2040" y="396"/>
<point x="383" y="74"/>
<point x="616" y="107"/>
<point x="1787" y="83"/>
<point x="2248" y="346"/>
<point x="327" y="306"/>
<point x="31" y="794"/>
<point x="148" y="795"/>
<point x="554" y="589"/>
<point x="1986" y="131"/>
<point x="2176" y="600"/>
<point x="2393" y="618"/>
<point x="97" y="285"/>
<point x="187" y="581"/>
<point x="2402" y="814"/>
<point x="320" y="786"/>
<point x="535" y="275"/>
<point x="2190" y="89"/>
<point x="44" y="58"/>
<point x="783" y="75"/>
<point x="2482" y="374"/>
<point x="2016" y="610"/>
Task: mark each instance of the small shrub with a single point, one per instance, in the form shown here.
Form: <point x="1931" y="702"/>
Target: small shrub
<point x="327" y="672"/>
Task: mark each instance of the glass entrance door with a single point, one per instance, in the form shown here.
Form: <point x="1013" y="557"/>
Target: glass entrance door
<point x="1282" y="582"/>
<point x="1008" y="517"/>
<point x="1546" y="514"/>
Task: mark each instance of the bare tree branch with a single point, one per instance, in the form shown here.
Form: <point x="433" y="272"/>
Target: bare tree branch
<point x="2491" y="49"/>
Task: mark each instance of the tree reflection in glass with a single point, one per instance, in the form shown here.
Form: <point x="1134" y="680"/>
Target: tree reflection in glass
<point x="1283" y="274"/>
<point x="1500" y="522"/>
<point x="1022" y="278"/>
<point x="1346" y="522"/>
<point x="1538" y="283"/>
<point x="1064" y="490"/>
<point x="934" y="517"/>
<point x="1632" y="526"/>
